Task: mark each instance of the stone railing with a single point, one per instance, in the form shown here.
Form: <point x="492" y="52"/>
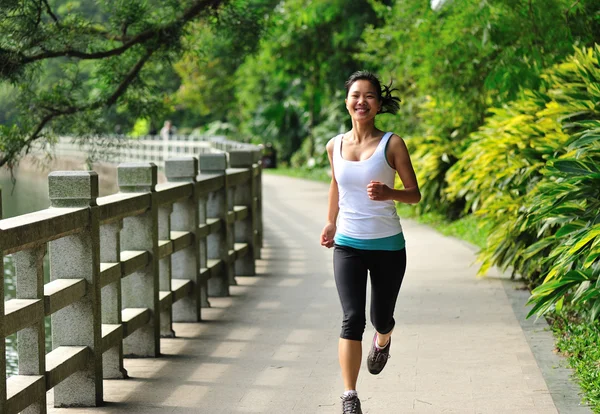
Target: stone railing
<point x="123" y="268"/>
<point x="146" y="149"/>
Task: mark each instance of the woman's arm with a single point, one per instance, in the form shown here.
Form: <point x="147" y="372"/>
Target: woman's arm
<point x="399" y="159"/>
<point x="333" y="206"/>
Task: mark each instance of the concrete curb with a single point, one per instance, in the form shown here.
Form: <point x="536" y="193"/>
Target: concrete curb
<point x="563" y="388"/>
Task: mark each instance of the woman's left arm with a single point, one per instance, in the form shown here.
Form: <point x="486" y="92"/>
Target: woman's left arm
<point x="399" y="159"/>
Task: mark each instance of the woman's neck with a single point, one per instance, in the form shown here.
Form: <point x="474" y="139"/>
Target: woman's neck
<point x="363" y="131"/>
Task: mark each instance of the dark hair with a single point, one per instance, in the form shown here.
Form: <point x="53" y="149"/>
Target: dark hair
<point x="389" y="104"/>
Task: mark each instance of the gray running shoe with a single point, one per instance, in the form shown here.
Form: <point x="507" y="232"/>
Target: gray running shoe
<point x="378" y="357"/>
<point x="351" y="404"/>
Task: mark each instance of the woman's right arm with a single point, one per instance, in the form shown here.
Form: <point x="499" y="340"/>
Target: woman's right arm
<point x="333" y="208"/>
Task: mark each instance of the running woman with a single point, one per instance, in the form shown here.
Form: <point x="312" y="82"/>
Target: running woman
<point x="364" y="228"/>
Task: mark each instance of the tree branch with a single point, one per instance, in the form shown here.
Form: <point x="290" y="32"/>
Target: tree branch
<point x="39" y="14"/>
<point x="125" y="82"/>
<point x="188" y="15"/>
<point x="569" y="10"/>
<point x="49" y="11"/>
<point x="55" y="113"/>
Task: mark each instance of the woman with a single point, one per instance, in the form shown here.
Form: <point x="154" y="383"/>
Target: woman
<point x="363" y="226"/>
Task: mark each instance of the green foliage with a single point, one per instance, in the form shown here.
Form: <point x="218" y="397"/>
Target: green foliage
<point x="568" y="203"/>
<point x="432" y="156"/>
<point x="313" y="154"/>
<point x="140" y="128"/>
<point x="302" y="62"/>
<point x="455" y="65"/>
<point x="532" y="173"/>
<point x="214" y="51"/>
<point x="83" y="68"/>
<point x="504" y="158"/>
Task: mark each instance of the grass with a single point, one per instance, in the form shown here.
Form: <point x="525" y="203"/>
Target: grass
<point x="468" y="228"/>
<point x="578" y="341"/>
<point x="316" y="174"/>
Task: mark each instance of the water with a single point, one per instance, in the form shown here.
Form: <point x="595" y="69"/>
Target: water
<point x="29" y="194"/>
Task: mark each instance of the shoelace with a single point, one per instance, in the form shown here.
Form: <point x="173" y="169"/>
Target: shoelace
<point x="379" y="354"/>
<point x="350" y="405"/>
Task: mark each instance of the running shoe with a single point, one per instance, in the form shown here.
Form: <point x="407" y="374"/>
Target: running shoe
<point x="351" y="404"/>
<point x="378" y="357"/>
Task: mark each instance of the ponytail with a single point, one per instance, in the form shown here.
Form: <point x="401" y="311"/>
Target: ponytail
<point x="390" y="104"/>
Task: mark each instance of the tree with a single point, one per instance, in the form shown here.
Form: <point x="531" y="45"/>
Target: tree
<point x="208" y="67"/>
<point x="69" y="62"/>
<point x="304" y="58"/>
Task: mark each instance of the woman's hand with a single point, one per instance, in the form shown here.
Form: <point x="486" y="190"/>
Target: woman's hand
<point x="327" y="235"/>
<point x="379" y="191"/>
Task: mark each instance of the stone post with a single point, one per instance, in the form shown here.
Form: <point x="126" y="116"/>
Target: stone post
<point x="186" y="262"/>
<point x="140" y="289"/>
<point x="217" y="207"/>
<point x="110" y="252"/>
<point x="29" y="270"/>
<point x="258" y="203"/>
<point x="164" y="270"/>
<point x="2" y="339"/>
<point x="245" y="230"/>
<point x="74" y="257"/>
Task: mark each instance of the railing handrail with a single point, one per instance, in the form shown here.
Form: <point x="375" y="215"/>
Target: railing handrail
<point x="150" y="148"/>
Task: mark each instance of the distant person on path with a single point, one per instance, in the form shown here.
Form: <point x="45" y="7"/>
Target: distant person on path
<point x="167" y="130"/>
<point x="364" y="228"/>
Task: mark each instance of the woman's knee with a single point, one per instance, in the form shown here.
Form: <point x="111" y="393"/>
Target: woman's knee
<point x="383" y="325"/>
<point x="353" y="327"/>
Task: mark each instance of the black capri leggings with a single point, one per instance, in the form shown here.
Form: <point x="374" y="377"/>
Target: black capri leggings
<point x="350" y="268"/>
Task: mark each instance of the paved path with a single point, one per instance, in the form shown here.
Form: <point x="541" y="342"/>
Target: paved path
<point x="272" y="346"/>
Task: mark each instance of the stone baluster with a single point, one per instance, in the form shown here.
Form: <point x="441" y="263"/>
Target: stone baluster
<point x="29" y="271"/>
<point x="217" y="207"/>
<point x="74" y="257"/>
<point x="203" y="249"/>
<point x="186" y="262"/>
<point x="110" y="252"/>
<point x="164" y="271"/>
<point x="244" y="196"/>
<point x="258" y="203"/>
<point x="231" y="231"/>
<point x="140" y="232"/>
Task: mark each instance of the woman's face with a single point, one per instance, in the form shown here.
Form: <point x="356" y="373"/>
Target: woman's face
<point x="362" y="102"/>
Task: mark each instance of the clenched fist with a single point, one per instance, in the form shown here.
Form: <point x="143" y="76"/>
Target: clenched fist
<point x="379" y="191"/>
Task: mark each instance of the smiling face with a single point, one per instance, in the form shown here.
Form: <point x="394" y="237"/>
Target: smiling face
<point x="362" y="101"/>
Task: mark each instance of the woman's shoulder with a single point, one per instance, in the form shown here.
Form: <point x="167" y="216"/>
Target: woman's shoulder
<point x="396" y="144"/>
<point x="395" y="139"/>
<point x="331" y="142"/>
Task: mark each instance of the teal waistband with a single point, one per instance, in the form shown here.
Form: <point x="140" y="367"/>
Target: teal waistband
<point x="395" y="242"/>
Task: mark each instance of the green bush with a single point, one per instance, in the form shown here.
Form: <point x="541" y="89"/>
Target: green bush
<point x="568" y="201"/>
<point x="535" y="176"/>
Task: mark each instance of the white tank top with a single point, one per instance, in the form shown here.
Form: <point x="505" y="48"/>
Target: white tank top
<point x="359" y="216"/>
